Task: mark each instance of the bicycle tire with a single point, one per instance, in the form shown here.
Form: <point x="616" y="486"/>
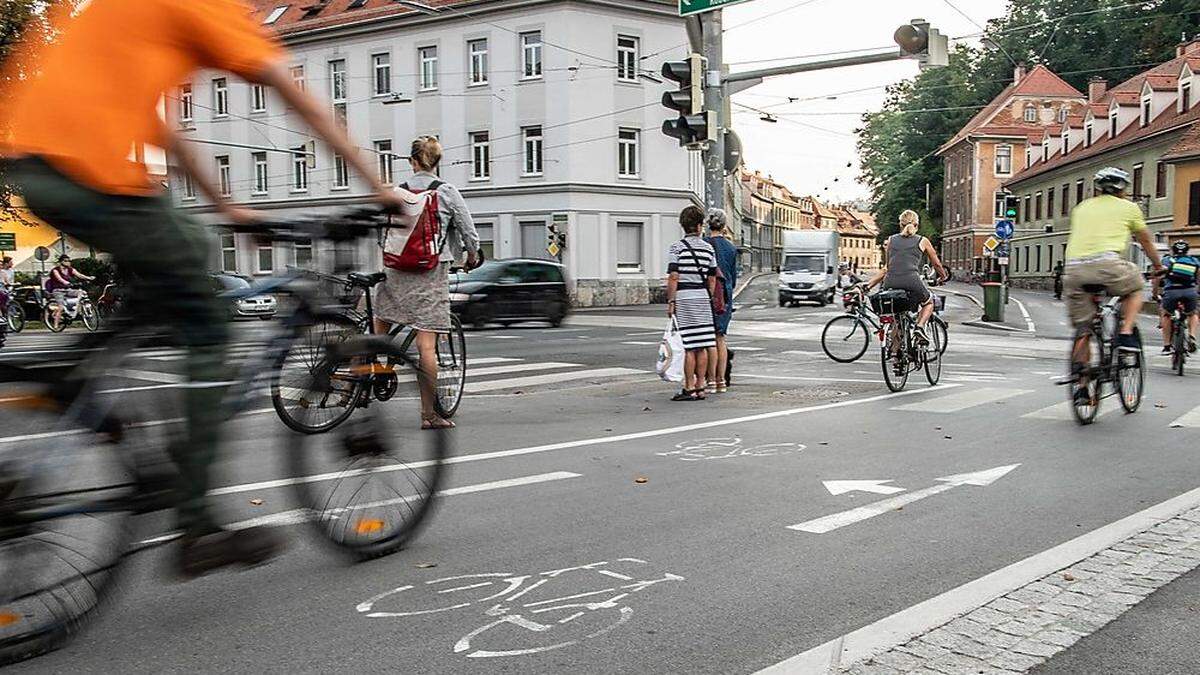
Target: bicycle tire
<point x="372" y="448"/>
<point x="1085" y="414"/>
<point x="304" y="355"/>
<point x="57" y="575"/>
<point x="89" y="317"/>
<point x="835" y="329"/>
<point x="452" y="368"/>
<point x="1131" y="376"/>
<point x="932" y="357"/>
<point x="941" y="327"/>
<point x="895" y="371"/>
<point x="16" y="317"/>
<point x="1179" y="348"/>
<point x="48" y="318"/>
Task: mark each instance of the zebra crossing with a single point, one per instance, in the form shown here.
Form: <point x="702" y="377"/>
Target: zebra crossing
<point x="963" y="399"/>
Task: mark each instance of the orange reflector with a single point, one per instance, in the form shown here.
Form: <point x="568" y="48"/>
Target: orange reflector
<point x="371" y="369"/>
<point x="8" y="618"/>
<point x="368" y="526"/>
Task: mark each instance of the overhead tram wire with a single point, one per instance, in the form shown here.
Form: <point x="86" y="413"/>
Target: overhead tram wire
<point x="966" y="16"/>
<point x="798" y="5"/>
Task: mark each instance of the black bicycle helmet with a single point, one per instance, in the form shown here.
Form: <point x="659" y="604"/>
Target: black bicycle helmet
<point x="1179" y="248"/>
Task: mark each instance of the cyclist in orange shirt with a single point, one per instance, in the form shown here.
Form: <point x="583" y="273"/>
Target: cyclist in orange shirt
<point x="72" y="128"/>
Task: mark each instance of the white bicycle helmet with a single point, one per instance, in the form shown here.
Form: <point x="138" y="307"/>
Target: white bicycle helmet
<point x="1111" y="180"/>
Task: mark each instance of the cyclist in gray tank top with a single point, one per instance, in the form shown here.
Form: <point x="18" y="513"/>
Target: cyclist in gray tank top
<point x="903" y="269"/>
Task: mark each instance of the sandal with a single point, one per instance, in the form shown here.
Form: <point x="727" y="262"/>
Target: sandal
<point x="721" y="387"/>
<point x="430" y="422"/>
<point x="684" y="395"/>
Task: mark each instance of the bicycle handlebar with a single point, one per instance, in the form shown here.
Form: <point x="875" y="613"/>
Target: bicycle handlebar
<point x="345" y="226"/>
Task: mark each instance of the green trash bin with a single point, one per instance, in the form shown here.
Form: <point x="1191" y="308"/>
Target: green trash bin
<point x="993" y="302"/>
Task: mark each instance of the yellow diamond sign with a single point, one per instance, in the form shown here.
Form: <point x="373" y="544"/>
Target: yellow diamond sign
<point x="553" y="249"/>
<point x="991" y="243"/>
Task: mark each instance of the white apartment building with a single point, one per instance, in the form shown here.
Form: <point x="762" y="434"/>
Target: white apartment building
<point x="544" y="109"/>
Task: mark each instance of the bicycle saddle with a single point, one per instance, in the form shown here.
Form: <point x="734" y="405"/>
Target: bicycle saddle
<point x="366" y="280"/>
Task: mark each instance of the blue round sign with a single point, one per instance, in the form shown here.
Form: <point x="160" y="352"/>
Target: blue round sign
<point x="1004" y="229"/>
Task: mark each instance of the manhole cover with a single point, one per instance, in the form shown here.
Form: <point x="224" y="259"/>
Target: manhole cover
<point x="811" y="393"/>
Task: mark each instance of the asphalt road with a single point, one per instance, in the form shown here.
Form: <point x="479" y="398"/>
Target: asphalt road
<point x="564" y="560"/>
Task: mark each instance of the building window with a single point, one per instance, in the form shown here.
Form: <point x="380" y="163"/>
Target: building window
<point x="264" y="259"/>
<point x="477" y="50"/>
<point x="1078" y="190"/>
<point x="1194" y="203"/>
<point x="304" y="252"/>
<point x="533" y="240"/>
<point x="224" y="181"/>
<point x="481" y="156"/>
<point x="1050" y="203"/>
<point x="1037" y="258"/>
<point x="260" y="172"/>
<point x="627" y="153"/>
<point x="381" y="73"/>
<point x="228" y="253"/>
<point x="1146" y="110"/>
<point x="1062" y="114"/>
<point x="220" y="97"/>
<point x="1028" y="156"/>
<point x="1027" y="212"/>
<point x="627" y="58"/>
<point x="1160" y="180"/>
<point x="428" y="58"/>
<point x="189" y="186"/>
<point x="337" y="89"/>
<point x="1066" y="201"/>
<point x="297" y="73"/>
<point x="1185" y="96"/>
<point x="299" y="169"/>
<point x="1087" y="135"/>
<point x="386" y="160"/>
<point x="1137" y="181"/>
<point x="533" y="150"/>
<point x="531" y="55"/>
<point x="341" y="173"/>
<point x="185" y="104"/>
<point x="258" y="98"/>
<point x="1025" y="255"/>
<point x="629" y="247"/>
<point x="1030" y="113"/>
<point x="1003" y="160"/>
<point x="1112" y="124"/>
<point x="1066" y="142"/>
<point x="487" y="245"/>
<point x="1037" y="200"/>
<point x="999" y="205"/>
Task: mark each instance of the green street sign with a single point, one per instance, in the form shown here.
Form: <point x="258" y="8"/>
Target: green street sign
<point x="8" y="241"/>
<point x="690" y="7"/>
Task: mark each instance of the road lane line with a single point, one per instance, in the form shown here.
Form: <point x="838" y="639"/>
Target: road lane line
<point x="899" y="628"/>
<point x="1025" y="315"/>
<point x="297" y="516"/>
<point x="798" y="378"/>
<point x="1190" y="420"/>
<point x="551" y="378"/>
<point x="636" y="343"/>
<point x="962" y="400"/>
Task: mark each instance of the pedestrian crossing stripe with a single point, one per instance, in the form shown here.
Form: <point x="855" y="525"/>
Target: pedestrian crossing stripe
<point x="1062" y="412"/>
<point x="961" y="400"/>
<point x="1190" y="420"/>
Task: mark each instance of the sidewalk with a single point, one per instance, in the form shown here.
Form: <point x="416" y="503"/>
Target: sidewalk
<point x="1159" y="635"/>
<point x="1016" y="317"/>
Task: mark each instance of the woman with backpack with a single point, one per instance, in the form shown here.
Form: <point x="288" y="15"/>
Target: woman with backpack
<point x="421" y="300"/>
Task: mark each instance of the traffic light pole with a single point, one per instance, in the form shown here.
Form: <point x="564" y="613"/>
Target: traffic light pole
<point x="714" y="99"/>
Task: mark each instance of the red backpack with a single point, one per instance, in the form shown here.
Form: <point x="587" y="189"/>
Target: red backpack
<point x="418" y="248"/>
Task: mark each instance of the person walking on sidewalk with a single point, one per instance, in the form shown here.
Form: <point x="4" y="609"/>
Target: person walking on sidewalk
<point x="691" y="282"/>
<point x="726" y="254"/>
<point x="1058" y="280"/>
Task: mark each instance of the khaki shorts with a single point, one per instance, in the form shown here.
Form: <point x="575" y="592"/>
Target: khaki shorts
<point x="1118" y="277"/>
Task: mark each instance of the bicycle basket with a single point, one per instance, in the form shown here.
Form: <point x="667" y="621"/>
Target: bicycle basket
<point x="889" y="302"/>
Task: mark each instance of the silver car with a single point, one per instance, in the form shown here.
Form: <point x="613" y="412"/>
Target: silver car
<point x="234" y="286"/>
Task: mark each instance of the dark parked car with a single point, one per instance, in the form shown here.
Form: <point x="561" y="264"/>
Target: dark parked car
<point x="508" y="291"/>
<point x="261" y="306"/>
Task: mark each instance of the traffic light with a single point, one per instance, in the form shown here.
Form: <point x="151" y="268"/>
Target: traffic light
<point x="918" y="39"/>
<point x="1011" y="203"/>
<point x="693" y="125"/>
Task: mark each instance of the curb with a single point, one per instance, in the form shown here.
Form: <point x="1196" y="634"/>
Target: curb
<point x="962" y="295"/>
<point x="996" y="326"/>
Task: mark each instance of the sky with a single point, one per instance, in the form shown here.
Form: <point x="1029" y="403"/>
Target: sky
<point x="806" y="159"/>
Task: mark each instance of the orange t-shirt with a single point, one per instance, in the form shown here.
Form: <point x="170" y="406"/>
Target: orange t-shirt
<point x="97" y="96"/>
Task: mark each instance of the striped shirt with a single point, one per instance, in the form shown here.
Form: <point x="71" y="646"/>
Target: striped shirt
<point x="693" y="266"/>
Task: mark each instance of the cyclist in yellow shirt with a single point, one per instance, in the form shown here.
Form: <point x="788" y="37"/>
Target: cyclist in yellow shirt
<point x="1100" y="232"/>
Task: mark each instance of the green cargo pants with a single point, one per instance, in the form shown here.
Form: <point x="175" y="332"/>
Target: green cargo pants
<point x="166" y="254"/>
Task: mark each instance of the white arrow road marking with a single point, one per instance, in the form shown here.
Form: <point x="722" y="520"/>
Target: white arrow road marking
<point x="837" y="487"/>
<point x="1189" y="419"/>
<point x="837" y="520"/>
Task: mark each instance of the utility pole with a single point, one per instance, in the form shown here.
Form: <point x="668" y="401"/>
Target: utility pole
<point x="714" y="99"/>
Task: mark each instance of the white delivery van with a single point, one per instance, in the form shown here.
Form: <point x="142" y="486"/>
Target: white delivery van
<point x="809" y="267"/>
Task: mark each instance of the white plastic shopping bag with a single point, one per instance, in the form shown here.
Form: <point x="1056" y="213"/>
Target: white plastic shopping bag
<point x="670" y="355"/>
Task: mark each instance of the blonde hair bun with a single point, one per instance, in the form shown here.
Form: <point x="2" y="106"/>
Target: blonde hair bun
<point x="910" y="222"/>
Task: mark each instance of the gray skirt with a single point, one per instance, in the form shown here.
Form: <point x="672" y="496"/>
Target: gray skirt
<point x="421" y="301"/>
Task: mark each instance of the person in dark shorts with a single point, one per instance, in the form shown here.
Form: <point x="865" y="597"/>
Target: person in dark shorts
<point x="903" y="269"/>
<point x="1178" y="290"/>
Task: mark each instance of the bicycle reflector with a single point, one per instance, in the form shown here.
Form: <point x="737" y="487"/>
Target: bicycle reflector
<point x="9" y="618"/>
<point x="368" y="526"/>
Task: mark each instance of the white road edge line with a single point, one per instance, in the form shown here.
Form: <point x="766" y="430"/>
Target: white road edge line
<point x="296" y="516"/>
<point x="600" y="440"/>
<point x="895" y="630"/>
<point x="1025" y="315"/>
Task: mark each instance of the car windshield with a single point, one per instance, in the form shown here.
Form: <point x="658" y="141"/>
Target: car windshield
<point x="232" y="283"/>
<point x="804" y="263"/>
